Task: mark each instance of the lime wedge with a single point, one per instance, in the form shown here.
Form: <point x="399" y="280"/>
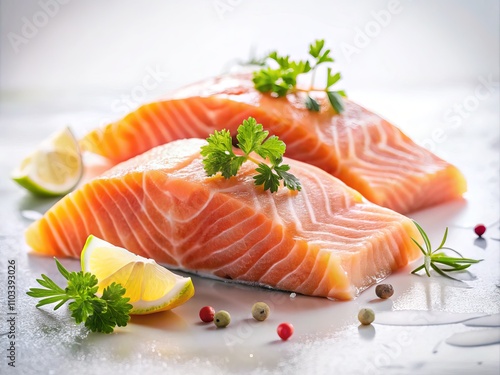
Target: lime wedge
<point x="150" y="287"/>
<point x="54" y="168"/>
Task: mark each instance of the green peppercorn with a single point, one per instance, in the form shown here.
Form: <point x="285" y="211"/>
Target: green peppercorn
<point x="366" y="316"/>
<point x="384" y="291"/>
<point x="222" y="319"/>
<point x="260" y="311"/>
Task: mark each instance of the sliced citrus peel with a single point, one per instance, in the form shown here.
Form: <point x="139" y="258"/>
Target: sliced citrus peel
<point x="150" y="287"/>
<point x="54" y="168"/>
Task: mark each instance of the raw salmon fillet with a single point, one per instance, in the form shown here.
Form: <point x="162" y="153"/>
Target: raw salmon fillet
<point x="326" y="240"/>
<point x="365" y="151"/>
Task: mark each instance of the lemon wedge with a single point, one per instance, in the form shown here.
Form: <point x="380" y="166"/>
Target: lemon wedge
<point x="54" y="168"/>
<point x="150" y="287"/>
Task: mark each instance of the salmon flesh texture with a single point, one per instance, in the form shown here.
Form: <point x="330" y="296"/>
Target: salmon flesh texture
<point x="326" y="240"/>
<point x="365" y="151"/>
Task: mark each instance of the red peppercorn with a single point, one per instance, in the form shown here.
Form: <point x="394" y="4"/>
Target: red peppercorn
<point x="285" y="330"/>
<point x="207" y="314"/>
<point x="480" y="229"/>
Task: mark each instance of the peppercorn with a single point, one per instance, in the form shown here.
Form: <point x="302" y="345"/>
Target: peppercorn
<point x="260" y="311"/>
<point x="285" y="330"/>
<point x="366" y="316"/>
<point x="384" y="291"/>
<point x="207" y="314"/>
<point x="222" y="319"/>
<point x="480" y="229"/>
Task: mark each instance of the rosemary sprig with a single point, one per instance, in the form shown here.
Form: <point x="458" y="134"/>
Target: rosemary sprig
<point x="433" y="258"/>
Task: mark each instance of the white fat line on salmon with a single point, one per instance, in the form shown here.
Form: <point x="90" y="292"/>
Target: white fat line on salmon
<point x="59" y="236"/>
<point x="293" y="273"/>
<point x="184" y="112"/>
<point x="250" y="251"/>
<point x="160" y="124"/>
<point x="216" y="238"/>
<point x="142" y="215"/>
<point x="115" y="219"/>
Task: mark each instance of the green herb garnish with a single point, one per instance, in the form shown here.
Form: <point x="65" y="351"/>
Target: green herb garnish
<point x="431" y="257"/>
<point x="218" y="156"/>
<point x="283" y="80"/>
<point x="100" y="314"/>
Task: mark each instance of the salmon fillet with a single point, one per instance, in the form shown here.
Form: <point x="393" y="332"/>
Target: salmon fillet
<point x="326" y="240"/>
<point x="365" y="151"/>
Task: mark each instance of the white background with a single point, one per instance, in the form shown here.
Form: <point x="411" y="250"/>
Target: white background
<point x="106" y="46"/>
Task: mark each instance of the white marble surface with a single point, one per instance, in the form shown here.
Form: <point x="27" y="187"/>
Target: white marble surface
<point x="327" y="335"/>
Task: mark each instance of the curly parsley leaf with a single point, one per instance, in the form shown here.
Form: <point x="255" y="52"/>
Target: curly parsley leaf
<point x="312" y="104"/>
<point x="273" y="148"/>
<point x="289" y="180"/>
<point x="218" y="156"/>
<point x="116" y="304"/>
<point x="332" y="78"/>
<point x="316" y="47"/>
<point x="336" y="101"/>
<point x="250" y="135"/>
<point x="222" y="158"/>
<point x="109" y="311"/>
<point x="283" y="80"/>
<point x="274" y="80"/>
<point x="267" y="177"/>
<point x="84" y="307"/>
<point x="300" y="67"/>
<point x="100" y="314"/>
<point x="316" y="51"/>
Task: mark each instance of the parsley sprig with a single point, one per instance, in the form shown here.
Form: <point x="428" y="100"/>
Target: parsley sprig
<point x="434" y="257"/>
<point x="100" y="314"/>
<point x="218" y="156"/>
<point x="283" y="80"/>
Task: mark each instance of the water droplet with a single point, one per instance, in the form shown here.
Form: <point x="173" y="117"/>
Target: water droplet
<point x="485" y="321"/>
<point x="31" y="215"/>
<point x="475" y="338"/>
<point x="421" y="317"/>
